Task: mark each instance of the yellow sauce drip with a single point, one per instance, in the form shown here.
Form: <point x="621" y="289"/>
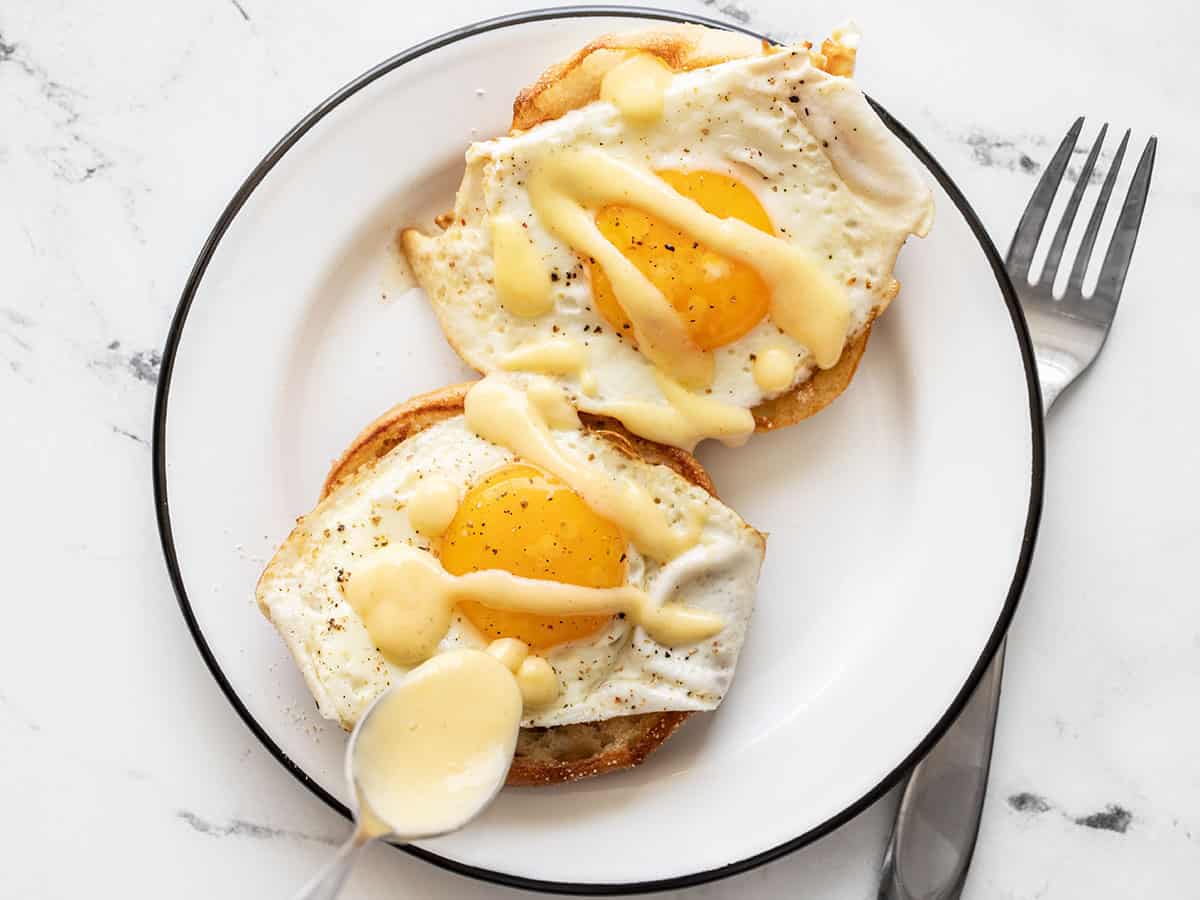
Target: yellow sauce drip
<point x="558" y="189"/>
<point x="523" y="520"/>
<point x="522" y="280"/>
<point x="587" y="383"/>
<point x="806" y="302"/>
<point x="536" y="678"/>
<point x="538" y="682"/>
<point x="636" y="87"/>
<point x="509" y="651"/>
<point x="719" y="299"/>
<point x="432" y="506"/>
<point x="550" y="400"/>
<point x="438" y="745"/>
<point x="774" y="369"/>
<point x="502" y="414"/>
<point x="556" y="356"/>
<point x="687" y="419"/>
<point x="406" y="599"/>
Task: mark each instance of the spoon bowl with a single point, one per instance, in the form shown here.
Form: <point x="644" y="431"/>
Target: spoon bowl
<point x="428" y="756"/>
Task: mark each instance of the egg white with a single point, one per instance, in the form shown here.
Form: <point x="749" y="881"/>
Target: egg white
<point x="827" y="171"/>
<point x="618" y="671"/>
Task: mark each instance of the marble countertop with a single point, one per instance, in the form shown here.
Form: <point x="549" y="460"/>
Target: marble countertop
<point x="125" y="128"/>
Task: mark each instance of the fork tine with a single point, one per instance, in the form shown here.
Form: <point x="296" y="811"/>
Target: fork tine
<point x="1054" y="256"/>
<point x="1075" y="282"/>
<point x="1120" y="250"/>
<point x="1033" y="220"/>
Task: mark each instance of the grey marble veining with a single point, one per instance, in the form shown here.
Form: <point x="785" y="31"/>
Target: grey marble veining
<point x="72" y="157"/>
<point x="240" y="828"/>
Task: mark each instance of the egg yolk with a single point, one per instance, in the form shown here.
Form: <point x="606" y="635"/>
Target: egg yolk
<point x="525" y="521"/>
<point x="718" y="298"/>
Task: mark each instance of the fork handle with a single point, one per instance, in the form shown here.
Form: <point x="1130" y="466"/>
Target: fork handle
<point x="933" y="837"/>
<point x="938" y="820"/>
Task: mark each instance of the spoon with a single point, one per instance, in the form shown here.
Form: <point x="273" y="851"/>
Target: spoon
<point x="427" y="757"/>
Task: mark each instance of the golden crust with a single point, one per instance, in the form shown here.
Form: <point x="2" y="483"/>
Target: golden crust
<point x="398" y="424"/>
<point x="576" y="82"/>
<point x="564" y="752"/>
<point x="571" y="752"/>
<point x="812" y="396"/>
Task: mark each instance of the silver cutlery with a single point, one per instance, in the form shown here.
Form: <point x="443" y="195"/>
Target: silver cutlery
<point x="937" y="823"/>
<point x="447" y="793"/>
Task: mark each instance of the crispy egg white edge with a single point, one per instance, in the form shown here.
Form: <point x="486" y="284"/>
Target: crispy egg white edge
<point x="825" y="158"/>
<point x="618" y="671"/>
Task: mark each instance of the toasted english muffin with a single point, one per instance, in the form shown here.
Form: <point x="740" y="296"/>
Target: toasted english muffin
<point x="543" y="755"/>
<point x="576" y="82"/>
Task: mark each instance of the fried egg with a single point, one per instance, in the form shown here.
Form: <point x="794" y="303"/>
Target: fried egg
<point x="507" y="514"/>
<point x="772" y="141"/>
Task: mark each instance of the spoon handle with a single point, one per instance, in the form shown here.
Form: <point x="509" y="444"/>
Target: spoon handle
<point x="327" y="883"/>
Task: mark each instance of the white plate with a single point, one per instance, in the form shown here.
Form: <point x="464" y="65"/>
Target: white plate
<point x="901" y="519"/>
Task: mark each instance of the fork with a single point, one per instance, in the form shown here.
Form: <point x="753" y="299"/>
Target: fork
<point x="937" y="822"/>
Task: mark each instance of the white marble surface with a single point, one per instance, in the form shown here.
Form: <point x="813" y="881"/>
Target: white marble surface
<point x="125" y="127"/>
